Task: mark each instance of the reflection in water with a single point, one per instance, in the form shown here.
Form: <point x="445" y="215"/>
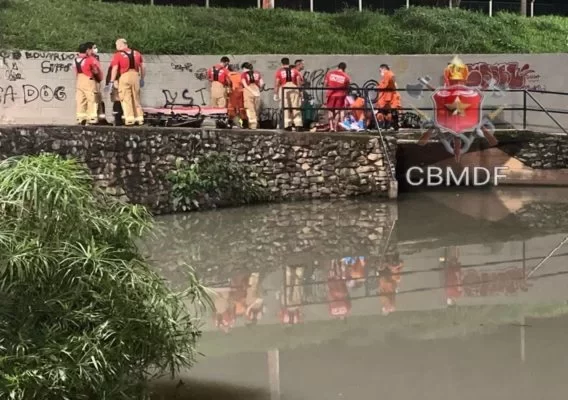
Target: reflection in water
<point x="330" y="272"/>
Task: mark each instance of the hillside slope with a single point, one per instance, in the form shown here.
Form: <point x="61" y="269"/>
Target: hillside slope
<point x="62" y="24"/>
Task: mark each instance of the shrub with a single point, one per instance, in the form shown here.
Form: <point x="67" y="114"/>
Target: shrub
<point x="214" y="180"/>
<point x="197" y="30"/>
<point x="82" y="314"/>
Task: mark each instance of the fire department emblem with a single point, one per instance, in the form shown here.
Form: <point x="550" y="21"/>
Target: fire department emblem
<point x="458" y="110"/>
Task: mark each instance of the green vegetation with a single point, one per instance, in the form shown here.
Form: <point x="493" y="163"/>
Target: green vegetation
<point x="82" y="314"/>
<point x="62" y="24"/>
<point x="214" y="180"/>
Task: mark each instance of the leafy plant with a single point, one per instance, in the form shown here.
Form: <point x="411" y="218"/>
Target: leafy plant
<point x="82" y="313"/>
<point x="214" y="179"/>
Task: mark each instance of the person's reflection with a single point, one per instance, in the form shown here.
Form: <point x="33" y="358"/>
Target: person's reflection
<point x="225" y="313"/>
<point x="242" y="298"/>
<point x="337" y="294"/>
<point x="389" y="280"/>
<point x="357" y="272"/>
<point x="453" y="275"/>
<point x="292" y="296"/>
<point x="254" y="300"/>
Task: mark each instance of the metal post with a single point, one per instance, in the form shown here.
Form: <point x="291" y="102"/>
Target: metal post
<point x="311" y="5"/>
<point x="490" y="8"/>
<point x="532" y="8"/>
<point x="524" y="8"/>
<point x="259" y="4"/>
<point x="523" y="339"/>
<point x="360" y="5"/>
<point x="274" y="373"/>
<point x="206" y="3"/>
<point x="524" y="109"/>
<point x="151" y="2"/>
<point x="450" y="4"/>
<point x="407" y="4"/>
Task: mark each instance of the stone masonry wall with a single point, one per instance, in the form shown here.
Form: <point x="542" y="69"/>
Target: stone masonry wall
<point x="134" y="163"/>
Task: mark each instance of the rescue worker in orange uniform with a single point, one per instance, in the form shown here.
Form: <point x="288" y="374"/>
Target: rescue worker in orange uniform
<point x="337" y="82"/>
<point x="388" y="102"/>
<point x="252" y="85"/>
<point x="131" y="67"/>
<point x="218" y="75"/>
<point x="236" y="109"/>
<point x="290" y="78"/>
<point x="88" y="72"/>
<point x="456" y="73"/>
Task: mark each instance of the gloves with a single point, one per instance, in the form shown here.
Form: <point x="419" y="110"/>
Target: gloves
<point x="141" y="83"/>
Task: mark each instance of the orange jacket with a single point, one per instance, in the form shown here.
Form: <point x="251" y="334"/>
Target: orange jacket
<point x="358" y="114"/>
<point x="387" y="87"/>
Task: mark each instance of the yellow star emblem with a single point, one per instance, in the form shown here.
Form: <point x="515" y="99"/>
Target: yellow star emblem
<point x="457" y="107"/>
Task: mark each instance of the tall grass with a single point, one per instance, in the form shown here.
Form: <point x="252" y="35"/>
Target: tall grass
<point x="82" y="314"/>
<point x="62" y="24"/>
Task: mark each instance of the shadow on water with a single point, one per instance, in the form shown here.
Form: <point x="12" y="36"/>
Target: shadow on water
<point x="187" y="389"/>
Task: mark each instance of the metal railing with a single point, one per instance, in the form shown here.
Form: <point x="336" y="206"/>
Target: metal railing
<point x="417" y="112"/>
<point x="534" y="7"/>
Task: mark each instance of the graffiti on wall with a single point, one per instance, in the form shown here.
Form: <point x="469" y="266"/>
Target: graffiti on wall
<point x="506" y="75"/>
<point x="26" y="94"/>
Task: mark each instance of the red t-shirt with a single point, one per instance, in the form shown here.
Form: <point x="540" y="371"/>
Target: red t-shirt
<point x="288" y="74"/>
<point x="218" y="73"/>
<point x="337" y="80"/>
<point x="252" y="77"/>
<point x="88" y="66"/>
<point x="123" y="59"/>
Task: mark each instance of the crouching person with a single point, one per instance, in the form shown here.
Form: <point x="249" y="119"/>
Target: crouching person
<point x="252" y="85"/>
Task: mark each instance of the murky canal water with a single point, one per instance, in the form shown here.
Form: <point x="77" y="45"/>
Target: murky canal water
<point x="441" y="295"/>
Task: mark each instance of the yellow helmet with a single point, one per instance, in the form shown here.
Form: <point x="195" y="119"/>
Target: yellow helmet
<point x="457" y="70"/>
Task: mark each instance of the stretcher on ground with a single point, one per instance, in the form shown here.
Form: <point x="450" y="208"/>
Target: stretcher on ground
<point x="189" y="116"/>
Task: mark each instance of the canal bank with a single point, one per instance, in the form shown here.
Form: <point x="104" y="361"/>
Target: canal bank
<point x="133" y="163"/>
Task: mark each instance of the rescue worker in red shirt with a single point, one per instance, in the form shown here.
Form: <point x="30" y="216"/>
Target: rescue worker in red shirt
<point x="218" y="75"/>
<point x="88" y="72"/>
<point x="131" y="67"/>
<point x="101" y="111"/>
<point x="252" y="85"/>
<point x="290" y="78"/>
<point x="389" y="279"/>
<point x="388" y="102"/>
<point x="337" y="82"/>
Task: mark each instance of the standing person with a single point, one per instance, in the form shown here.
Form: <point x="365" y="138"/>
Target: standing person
<point x="388" y="101"/>
<point x="252" y="85"/>
<point x="236" y="101"/>
<point x="289" y="78"/>
<point x="300" y="66"/>
<point x="88" y="71"/>
<point x="218" y="75"/>
<point x="337" y="82"/>
<point x="101" y="110"/>
<point x="131" y="67"/>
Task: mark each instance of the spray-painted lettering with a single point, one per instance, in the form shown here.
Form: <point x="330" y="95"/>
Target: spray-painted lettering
<point x="47" y="55"/>
<point x="509" y="75"/>
<point x="48" y="67"/>
<point x="187" y="67"/>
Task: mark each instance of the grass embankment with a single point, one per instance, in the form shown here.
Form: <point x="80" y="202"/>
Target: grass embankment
<point x="62" y="24"/>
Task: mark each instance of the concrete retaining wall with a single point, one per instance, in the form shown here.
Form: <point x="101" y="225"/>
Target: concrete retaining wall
<point x="37" y="87"/>
<point x="133" y="163"/>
